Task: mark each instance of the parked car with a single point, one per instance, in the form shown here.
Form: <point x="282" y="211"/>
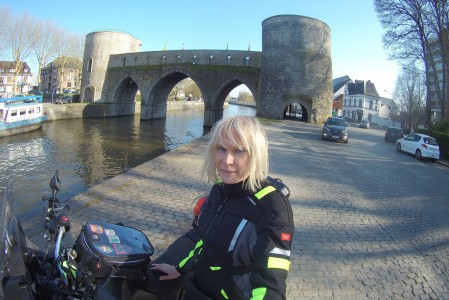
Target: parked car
<point x="364" y="124"/>
<point x="335" y="128"/>
<point x="393" y="134"/>
<point x="420" y="145"/>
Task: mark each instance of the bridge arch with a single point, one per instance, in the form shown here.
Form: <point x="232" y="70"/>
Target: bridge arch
<point x="155" y="95"/>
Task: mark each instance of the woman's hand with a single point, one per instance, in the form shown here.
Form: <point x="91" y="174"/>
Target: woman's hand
<point x="170" y="270"/>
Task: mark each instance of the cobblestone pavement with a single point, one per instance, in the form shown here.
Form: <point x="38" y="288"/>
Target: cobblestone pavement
<point x="371" y="223"/>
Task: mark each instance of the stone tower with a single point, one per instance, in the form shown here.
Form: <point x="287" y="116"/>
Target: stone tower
<point x="296" y="67"/>
<point x="98" y="48"/>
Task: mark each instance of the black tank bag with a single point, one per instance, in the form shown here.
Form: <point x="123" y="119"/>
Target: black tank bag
<point x="113" y="250"/>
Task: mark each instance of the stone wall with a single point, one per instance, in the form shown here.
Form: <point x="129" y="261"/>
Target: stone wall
<point x="99" y="110"/>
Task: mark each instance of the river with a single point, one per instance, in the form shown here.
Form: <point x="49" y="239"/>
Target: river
<point x="88" y="151"/>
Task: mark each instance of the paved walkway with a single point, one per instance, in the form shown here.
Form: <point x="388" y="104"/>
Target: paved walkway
<point x="352" y="239"/>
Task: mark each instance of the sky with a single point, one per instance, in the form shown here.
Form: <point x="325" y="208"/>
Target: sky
<point x="356" y="33"/>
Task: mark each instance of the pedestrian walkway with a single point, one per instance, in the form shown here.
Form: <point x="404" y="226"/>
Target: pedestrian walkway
<point x="348" y="242"/>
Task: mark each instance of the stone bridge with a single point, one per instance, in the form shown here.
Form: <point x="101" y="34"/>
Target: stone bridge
<point x="155" y="74"/>
<point x="294" y="67"/>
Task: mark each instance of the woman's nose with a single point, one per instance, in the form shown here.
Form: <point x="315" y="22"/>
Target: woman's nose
<point x="229" y="159"/>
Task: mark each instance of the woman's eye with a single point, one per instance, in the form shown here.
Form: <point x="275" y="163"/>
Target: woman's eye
<point x="220" y="148"/>
<point x="239" y="151"/>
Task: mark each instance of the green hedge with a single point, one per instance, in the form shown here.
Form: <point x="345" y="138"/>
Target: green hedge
<point x="442" y="140"/>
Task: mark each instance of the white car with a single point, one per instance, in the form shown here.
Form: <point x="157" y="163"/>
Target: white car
<point x="420" y="145"/>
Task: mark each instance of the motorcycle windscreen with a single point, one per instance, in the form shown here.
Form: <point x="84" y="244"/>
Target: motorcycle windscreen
<point x="12" y="241"/>
<point x="117" y="241"/>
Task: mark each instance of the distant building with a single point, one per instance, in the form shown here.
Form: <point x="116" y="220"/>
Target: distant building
<point x="433" y="93"/>
<point x="61" y="75"/>
<point x="339" y="85"/>
<point x="12" y="80"/>
<point x="359" y="100"/>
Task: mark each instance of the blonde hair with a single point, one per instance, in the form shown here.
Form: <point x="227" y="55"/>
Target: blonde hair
<point x="248" y="134"/>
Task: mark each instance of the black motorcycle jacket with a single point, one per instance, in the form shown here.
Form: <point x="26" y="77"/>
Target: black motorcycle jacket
<point x="244" y="250"/>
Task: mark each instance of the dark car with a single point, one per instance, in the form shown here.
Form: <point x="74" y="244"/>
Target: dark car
<point x="364" y="124"/>
<point x="335" y="129"/>
<point x="393" y="134"/>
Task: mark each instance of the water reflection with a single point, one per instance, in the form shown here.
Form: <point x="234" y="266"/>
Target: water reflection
<point x="88" y="151"/>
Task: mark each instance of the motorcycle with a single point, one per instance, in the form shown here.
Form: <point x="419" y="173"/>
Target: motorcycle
<point x="107" y="261"/>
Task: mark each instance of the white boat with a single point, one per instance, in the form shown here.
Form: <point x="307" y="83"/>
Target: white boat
<point x="21" y="114"/>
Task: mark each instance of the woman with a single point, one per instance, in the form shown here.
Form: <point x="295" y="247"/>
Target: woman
<point x="245" y="226"/>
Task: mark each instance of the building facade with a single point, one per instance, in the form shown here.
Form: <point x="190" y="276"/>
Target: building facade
<point x="61" y="75"/>
<point x="359" y="100"/>
<point x="14" y="79"/>
<point x="436" y="80"/>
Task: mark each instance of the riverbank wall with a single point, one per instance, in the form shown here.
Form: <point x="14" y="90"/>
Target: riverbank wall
<point x="99" y="110"/>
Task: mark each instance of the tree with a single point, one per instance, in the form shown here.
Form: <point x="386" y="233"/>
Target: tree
<point x="410" y="94"/>
<point x="19" y="35"/>
<point x="246" y="97"/>
<point x="413" y="27"/>
<point x="24" y="35"/>
<point x="43" y="45"/>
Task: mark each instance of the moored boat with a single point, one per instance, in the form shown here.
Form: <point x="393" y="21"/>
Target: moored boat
<point x="21" y="114"/>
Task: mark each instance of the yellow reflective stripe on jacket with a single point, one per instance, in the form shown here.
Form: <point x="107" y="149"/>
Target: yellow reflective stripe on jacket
<point x="259" y="293"/>
<point x="191" y="253"/>
<point x="278" y="263"/>
<point x="264" y="191"/>
<point x="223" y="293"/>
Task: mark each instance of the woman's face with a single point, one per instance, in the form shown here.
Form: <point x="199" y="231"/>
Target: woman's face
<point x="231" y="162"/>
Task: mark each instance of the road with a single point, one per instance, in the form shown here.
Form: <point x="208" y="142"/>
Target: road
<point x="371" y="223"/>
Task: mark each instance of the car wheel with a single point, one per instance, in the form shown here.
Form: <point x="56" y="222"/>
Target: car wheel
<point x="398" y="147"/>
<point x="346" y="141"/>
<point x="418" y="154"/>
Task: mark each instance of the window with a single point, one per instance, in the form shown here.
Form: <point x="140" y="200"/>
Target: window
<point x="247" y="61"/>
<point x="31" y="111"/>
<point x="23" y="112"/>
<point x="360" y="103"/>
<point x="371" y="104"/>
<point x="14" y="113"/>
<point x="89" y="65"/>
<point x="38" y="109"/>
<point x="194" y="59"/>
<point x="12" y="70"/>
<point x="163" y="59"/>
<point x="229" y="60"/>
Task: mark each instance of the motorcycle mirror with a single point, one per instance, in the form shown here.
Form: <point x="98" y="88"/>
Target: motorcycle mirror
<point x="55" y="181"/>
